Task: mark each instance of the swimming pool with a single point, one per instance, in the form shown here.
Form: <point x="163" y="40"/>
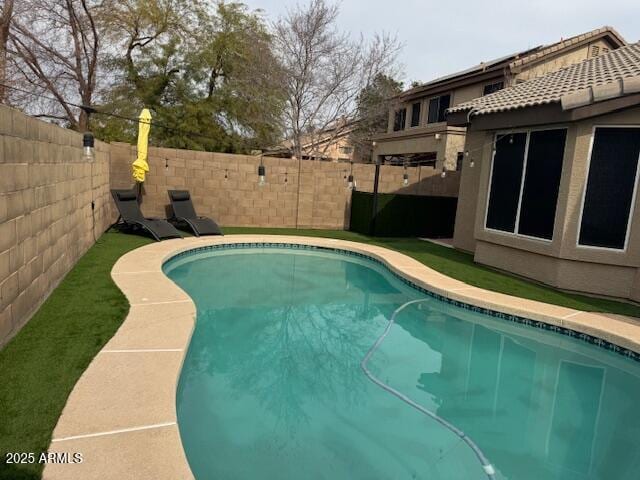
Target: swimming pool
<point x="272" y="384"/>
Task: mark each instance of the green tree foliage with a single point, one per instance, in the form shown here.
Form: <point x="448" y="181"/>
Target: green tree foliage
<point x="209" y="71"/>
<point x="373" y="111"/>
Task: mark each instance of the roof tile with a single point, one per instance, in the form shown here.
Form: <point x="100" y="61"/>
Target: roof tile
<point x="620" y="64"/>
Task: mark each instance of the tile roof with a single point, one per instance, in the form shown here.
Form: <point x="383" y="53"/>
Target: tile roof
<point x="606" y="76"/>
<point x="520" y="59"/>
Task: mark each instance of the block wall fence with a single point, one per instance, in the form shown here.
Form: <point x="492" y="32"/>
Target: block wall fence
<point x="321" y="187"/>
<point x="46" y="219"/>
<point x="47" y="190"/>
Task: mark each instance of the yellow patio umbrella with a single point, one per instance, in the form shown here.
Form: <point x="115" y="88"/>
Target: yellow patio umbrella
<point x="140" y="165"/>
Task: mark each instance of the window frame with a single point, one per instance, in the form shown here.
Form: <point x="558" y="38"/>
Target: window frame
<point x="584" y="195"/>
<point x="404" y="122"/>
<point x="501" y="82"/>
<point x="428" y="107"/>
<point x="528" y="131"/>
<point x="419" y="124"/>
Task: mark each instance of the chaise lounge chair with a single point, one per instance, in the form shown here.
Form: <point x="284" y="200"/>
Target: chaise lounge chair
<point x="184" y="213"/>
<point x="131" y="216"/>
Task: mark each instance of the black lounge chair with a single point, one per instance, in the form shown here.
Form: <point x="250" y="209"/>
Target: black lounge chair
<point x="131" y="216"/>
<point x="184" y="213"/>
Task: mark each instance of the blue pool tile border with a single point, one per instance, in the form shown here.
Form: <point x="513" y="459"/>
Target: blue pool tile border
<point x="597" y="341"/>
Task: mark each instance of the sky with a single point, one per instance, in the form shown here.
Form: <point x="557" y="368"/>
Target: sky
<point x="443" y="37"/>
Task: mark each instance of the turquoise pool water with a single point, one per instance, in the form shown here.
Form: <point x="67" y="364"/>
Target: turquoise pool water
<point x="272" y="386"/>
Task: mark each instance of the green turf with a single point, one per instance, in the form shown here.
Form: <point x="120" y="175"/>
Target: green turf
<point x="40" y="366"/>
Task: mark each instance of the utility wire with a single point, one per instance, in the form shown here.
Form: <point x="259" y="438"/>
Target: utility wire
<point x="92" y="110"/>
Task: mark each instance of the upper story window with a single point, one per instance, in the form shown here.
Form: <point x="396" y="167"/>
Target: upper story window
<point x="492" y="88"/>
<point x="415" y="114"/>
<point x="595" y="51"/>
<point x="346" y="150"/>
<point x="399" y="119"/>
<point x="438" y="108"/>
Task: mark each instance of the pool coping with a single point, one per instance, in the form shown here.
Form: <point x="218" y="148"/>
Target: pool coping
<point x="121" y="415"/>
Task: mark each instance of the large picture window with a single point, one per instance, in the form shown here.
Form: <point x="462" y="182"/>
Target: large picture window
<point x="611" y="184"/>
<point x="525" y="180"/>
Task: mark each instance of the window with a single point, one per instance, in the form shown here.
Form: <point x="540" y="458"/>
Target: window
<point x="399" y="119"/>
<point x="415" y="114"/>
<point x="611" y="183"/>
<point x="525" y="179"/>
<point x="595" y="51"/>
<point x="492" y="88"/>
<point x="346" y="150"/>
<point x="438" y="108"/>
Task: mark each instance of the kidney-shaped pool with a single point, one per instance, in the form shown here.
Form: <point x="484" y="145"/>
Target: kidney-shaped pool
<point x="272" y="385"/>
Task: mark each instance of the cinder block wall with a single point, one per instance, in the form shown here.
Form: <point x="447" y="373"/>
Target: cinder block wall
<point x="46" y="190"/>
<point x="324" y="200"/>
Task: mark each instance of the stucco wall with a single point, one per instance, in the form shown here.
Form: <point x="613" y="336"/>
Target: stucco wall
<point x="556" y="62"/>
<point x="479" y="147"/>
<point x="561" y="262"/>
<point x="46" y="221"/>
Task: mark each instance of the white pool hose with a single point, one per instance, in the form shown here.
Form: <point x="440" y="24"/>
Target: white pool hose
<point x="486" y="465"/>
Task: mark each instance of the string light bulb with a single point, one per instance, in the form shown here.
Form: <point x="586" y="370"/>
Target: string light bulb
<point x="350" y="182"/>
<point x="444" y="172"/>
<point x="511" y="139"/>
<point x="261" y="175"/>
<point x="405" y="176"/>
<point x="472" y="163"/>
<point x="88" y="152"/>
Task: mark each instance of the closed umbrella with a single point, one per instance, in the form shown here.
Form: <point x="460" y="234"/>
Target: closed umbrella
<point x="140" y="165"/>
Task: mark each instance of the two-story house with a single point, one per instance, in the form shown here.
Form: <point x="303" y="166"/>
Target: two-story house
<point x="417" y="131"/>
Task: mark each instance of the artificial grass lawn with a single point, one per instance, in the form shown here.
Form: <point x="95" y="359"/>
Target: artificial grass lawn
<point x="40" y="366"/>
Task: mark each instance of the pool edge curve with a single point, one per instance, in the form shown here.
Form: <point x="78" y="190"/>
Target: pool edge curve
<point x="123" y="407"/>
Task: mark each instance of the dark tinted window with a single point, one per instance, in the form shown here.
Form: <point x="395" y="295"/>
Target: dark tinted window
<point x="492" y="88"/>
<point x="415" y="114"/>
<point x="506" y="176"/>
<point x="437" y="108"/>
<point x="541" y="183"/>
<point x="610" y="185"/>
<point x="445" y="102"/>
<point x="400" y="119"/>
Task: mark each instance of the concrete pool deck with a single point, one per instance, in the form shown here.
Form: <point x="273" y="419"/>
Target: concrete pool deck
<point x="121" y="415"/>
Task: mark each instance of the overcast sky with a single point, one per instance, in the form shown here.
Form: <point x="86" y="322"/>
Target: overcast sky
<point x="445" y="36"/>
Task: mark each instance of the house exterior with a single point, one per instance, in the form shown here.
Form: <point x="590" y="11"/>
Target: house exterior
<point x="333" y="144"/>
<point x="549" y="180"/>
<point x="417" y="129"/>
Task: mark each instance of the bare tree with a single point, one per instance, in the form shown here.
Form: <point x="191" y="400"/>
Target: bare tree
<point x="326" y="70"/>
<point x="55" y="47"/>
<point x="6" y="12"/>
